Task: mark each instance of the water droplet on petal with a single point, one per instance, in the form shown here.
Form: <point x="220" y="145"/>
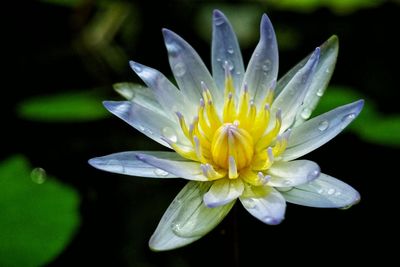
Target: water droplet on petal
<point x="38" y="175"/>
<point x="347" y="119"/>
<point x="287" y="182"/>
<point x="179" y="69"/>
<point x="176" y="227"/>
<point x="320" y="92"/>
<point x="312" y="175"/>
<point x="320" y="191"/>
<point x="337" y="194"/>
<point x="238" y="73"/>
<point x="269" y="220"/>
<point x="219" y="59"/>
<point x="327" y="70"/>
<point x="230" y="50"/>
<point x="228" y="64"/>
<point x="331" y="191"/>
<point x="267" y="65"/>
<point x="306" y="113"/>
<point x="249" y="203"/>
<point x="160" y="172"/>
<point x="170" y="134"/>
<point x="141" y="128"/>
<point x="323" y="125"/>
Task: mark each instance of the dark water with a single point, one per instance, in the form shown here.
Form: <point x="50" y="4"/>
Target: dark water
<point x="119" y="214"/>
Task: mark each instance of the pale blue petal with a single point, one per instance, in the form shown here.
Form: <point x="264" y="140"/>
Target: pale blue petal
<point x="292" y="96"/>
<point x="128" y="164"/>
<point x="225" y="48"/>
<point x="223" y="191"/>
<point x="323" y="73"/>
<point x="169" y="97"/>
<point x="293" y="173"/>
<point x="187" y="218"/>
<point x="184" y="168"/>
<point x="322" y="76"/>
<point x="269" y="209"/>
<point x="262" y="70"/>
<point x="189" y="70"/>
<point x="315" y="132"/>
<point x="145" y="120"/>
<point x="324" y="192"/>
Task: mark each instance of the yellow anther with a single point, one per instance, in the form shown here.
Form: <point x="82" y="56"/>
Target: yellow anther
<point x="266" y="140"/>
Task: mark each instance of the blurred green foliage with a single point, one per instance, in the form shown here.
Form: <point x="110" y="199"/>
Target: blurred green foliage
<point x="38" y="214"/>
<point x="64" y="107"/>
<point x="371" y="125"/>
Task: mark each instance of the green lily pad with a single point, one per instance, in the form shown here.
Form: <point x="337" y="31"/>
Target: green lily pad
<point x="38" y="214"/>
<point x="64" y="107"/>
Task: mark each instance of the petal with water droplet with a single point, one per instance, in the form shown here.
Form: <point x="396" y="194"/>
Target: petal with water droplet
<point x="292" y="96"/>
<point x="183" y="168"/>
<point x="269" y="209"/>
<point x="225" y="47"/>
<point x="308" y="136"/>
<point x="169" y="97"/>
<point x="187" y="218"/>
<point x="293" y="173"/>
<point x="189" y="70"/>
<point x="127" y="163"/>
<point x="324" y="192"/>
<point x="223" y="191"/>
<point x="262" y="70"/>
<point x="143" y="119"/>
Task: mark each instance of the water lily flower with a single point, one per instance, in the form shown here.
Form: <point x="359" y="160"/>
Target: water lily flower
<point x="235" y="134"/>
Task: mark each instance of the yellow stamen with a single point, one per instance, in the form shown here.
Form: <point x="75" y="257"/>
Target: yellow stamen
<point x="266" y="140"/>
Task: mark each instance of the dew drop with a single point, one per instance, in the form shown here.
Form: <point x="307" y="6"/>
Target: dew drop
<point x="268" y="220"/>
<point x="230" y="50"/>
<point x="38" y="175"/>
<point x="323" y="125"/>
<point x="347" y="119"/>
<point x="169" y="133"/>
<point x="249" y="203"/>
<point x="306" y="113"/>
<point x="312" y="175"/>
<point x="228" y="65"/>
<point x="320" y="92"/>
<point x="160" y="172"/>
<point x="287" y="182"/>
<point x="331" y="191"/>
<point x="176" y="227"/>
<point x="327" y="70"/>
<point x="337" y="194"/>
<point x="267" y="65"/>
<point x="179" y="69"/>
<point x="320" y="191"/>
<point x="219" y="59"/>
<point x="238" y="73"/>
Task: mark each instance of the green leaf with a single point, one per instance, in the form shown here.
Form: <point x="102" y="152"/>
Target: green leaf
<point x="64" y="107"/>
<point x="38" y="214"/>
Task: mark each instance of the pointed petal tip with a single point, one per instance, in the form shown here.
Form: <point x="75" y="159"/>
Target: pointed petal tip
<point x="93" y="162"/>
<point x="218" y="14"/>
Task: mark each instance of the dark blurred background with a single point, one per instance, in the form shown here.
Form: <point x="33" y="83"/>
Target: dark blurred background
<point x="62" y="58"/>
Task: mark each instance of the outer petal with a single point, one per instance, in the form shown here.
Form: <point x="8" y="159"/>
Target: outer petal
<point x="262" y="70"/>
<point x="180" y="167"/>
<point x="225" y="48"/>
<point x="269" y="209"/>
<point x="128" y="164"/>
<point x="189" y="70"/>
<point x="323" y="73"/>
<point x="223" y="191"/>
<point x="319" y="130"/>
<point x="292" y="96"/>
<point x="187" y="218"/>
<point x="293" y="173"/>
<point x="145" y="120"/>
<point x="324" y="192"/>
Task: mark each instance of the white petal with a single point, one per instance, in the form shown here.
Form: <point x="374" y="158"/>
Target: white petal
<point x="322" y="75"/>
<point x="262" y="70"/>
<point x="269" y="209"/>
<point x="187" y="218"/>
<point x="181" y="167"/>
<point x="293" y="173"/>
<point x="292" y="96"/>
<point x="223" y="191"/>
<point x="140" y="95"/>
<point x="315" y="132"/>
<point x="169" y="97"/>
<point x="225" y="48"/>
<point x="128" y="164"/>
<point x="147" y="121"/>
<point x="324" y="192"/>
<point x="189" y="70"/>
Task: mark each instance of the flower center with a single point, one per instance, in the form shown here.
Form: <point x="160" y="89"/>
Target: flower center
<point x="232" y="143"/>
